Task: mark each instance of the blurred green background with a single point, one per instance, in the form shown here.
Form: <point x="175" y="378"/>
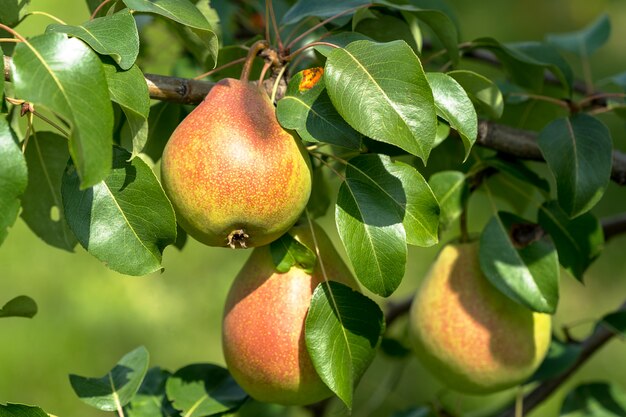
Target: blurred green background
<point x="90" y="316"/>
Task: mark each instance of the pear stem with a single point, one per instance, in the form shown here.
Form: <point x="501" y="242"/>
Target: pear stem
<point x="255" y="49"/>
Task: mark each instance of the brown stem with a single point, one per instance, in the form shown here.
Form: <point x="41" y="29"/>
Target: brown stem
<point x="221" y="67"/>
<point x="307" y="46"/>
<point x="100" y="6"/>
<point x="255" y="49"/>
<point x="275" y="25"/>
<point x="179" y="90"/>
<point x="12" y="32"/>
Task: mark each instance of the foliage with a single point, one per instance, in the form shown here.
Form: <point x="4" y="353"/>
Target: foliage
<point x="379" y="97"/>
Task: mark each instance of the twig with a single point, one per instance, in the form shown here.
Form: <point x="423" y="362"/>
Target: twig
<point x="100" y="6"/>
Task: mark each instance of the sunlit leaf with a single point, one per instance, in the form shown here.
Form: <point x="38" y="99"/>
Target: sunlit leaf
<point x="204" y="389"/>
<point x="382" y="92"/>
<point x="287" y="252"/>
<point x="13" y="177"/>
<point x="342" y="330"/>
<point x="485" y="95"/>
<point x="372" y="233"/>
<point x="115" y="389"/>
<point x="151" y="400"/>
<point x="66" y="76"/>
<point x="454" y="106"/>
<point x="42" y="207"/>
<point x="21" y="410"/>
<point x="528" y="275"/>
<point x="126" y="220"/>
<point x="114" y="35"/>
<point x="452" y="191"/>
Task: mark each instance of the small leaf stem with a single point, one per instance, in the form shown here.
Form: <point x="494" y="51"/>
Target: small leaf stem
<point x="296" y="28"/>
<point x="266" y="66"/>
<point x="274" y="24"/>
<point x="335" y="157"/>
<point x="556" y="101"/>
<point x="267" y="20"/>
<point x="221" y="67"/>
<point x="323" y="22"/>
<point x="29" y="128"/>
<point x="13" y="32"/>
<point x="314" y="155"/>
<point x="598" y="96"/>
<point x="100" y="6"/>
<point x="10" y="40"/>
<point x="307" y="46"/>
<point x="255" y="49"/>
<point x="48" y="15"/>
<point x="279" y="76"/>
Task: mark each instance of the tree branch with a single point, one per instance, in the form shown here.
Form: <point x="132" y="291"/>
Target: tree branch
<point x="516" y="142"/>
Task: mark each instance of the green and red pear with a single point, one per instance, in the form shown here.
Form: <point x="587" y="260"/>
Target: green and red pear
<point x="234" y="175"/>
<point x="263" y="327"/>
<point x="467" y="333"/>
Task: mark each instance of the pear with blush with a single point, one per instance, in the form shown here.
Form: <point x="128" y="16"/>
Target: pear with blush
<point x="467" y="333"/>
<point x="234" y="176"/>
<point x="263" y="327"/>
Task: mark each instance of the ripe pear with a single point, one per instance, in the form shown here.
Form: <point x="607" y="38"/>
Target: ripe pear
<point x="234" y="175"/>
<point x="263" y="326"/>
<point x="469" y="334"/>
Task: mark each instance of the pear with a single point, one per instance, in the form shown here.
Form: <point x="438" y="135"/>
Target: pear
<point x="234" y="176"/>
<point x="467" y="333"/>
<point x="263" y="326"/>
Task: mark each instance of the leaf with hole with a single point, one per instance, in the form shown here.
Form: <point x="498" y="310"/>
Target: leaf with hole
<point x="126" y="220"/>
<point x="454" y="106"/>
<point x="382" y="92"/>
<point x="342" y="330"/>
<point x="13" y="177"/>
<point x="115" y="35"/>
<point x="373" y="234"/>
<point x="578" y="241"/>
<point x="115" y="389"/>
<point x="406" y="189"/>
<point x="578" y="151"/>
<point x="66" y="76"/>
<point x="204" y="389"/>
<point x="42" y="207"/>
<point x="309" y="111"/>
<point x="20" y="306"/>
<point x="528" y="274"/>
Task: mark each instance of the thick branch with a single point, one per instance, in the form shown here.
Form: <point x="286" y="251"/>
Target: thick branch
<point x="523" y="144"/>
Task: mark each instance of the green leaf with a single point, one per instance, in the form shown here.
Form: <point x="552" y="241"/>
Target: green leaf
<point x="163" y="119"/>
<point x="13" y="177"/>
<point x="372" y="233"/>
<point x="320" y="8"/>
<point x="114" y="35"/>
<point x="2" y="78"/>
<point x="452" y="191"/>
<point x="454" y="106"/>
<point x="516" y="169"/>
<point x="528" y="275"/>
<point x="309" y="111"/>
<point x="616" y="322"/>
<point x="204" y="389"/>
<point x="319" y="201"/>
<point x="151" y="400"/>
<point x="12" y="11"/>
<point x="578" y="151"/>
<point x="547" y="55"/>
<point x="42" y="206"/>
<point x="578" y="241"/>
<point x="485" y="95"/>
<point x="126" y="220"/>
<point x="21" y="410"/>
<point x="523" y="69"/>
<point x="130" y="91"/>
<point x="444" y="28"/>
<point x="385" y="28"/>
<point x="406" y="189"/>
<point x="187" y="14"/>
<point x="20" y="306"/>
<point x="287" y="252"/>
<point x="561" y="356"/>
<point x="342" y="330"/>
<point x="115" y="389"/>
<point x="381" y="91"/>
<point x="586" y="41"/>
<point x="596" y="399"/>
<point x="66" y="76"/>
